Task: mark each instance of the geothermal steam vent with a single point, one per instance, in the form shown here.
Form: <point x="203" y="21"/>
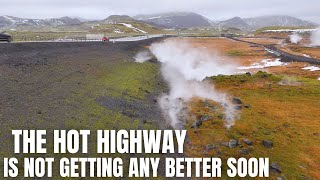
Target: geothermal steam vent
<point x="184" y="68"/>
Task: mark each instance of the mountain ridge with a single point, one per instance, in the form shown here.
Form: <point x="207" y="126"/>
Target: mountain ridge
<point x="176" y="19"/>
<point x="276" y="20"/>
<point x="173" y="20"/>
<point x="14" y="22"/>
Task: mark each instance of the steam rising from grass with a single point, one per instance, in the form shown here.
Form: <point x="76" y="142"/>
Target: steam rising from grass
<point x="184" y="68"/>
<point x="295" y="38"/>
<point x="315" y="38"/>
<point x="142" y="56"/>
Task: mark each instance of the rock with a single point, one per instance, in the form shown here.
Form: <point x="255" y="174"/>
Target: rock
<point x="219" y="153"/>
<point x="236" y="100"/>
<point x="248" y="73"/>
<point x="280" y="178"/>
<point x="263" y="75"/>
<point x="247" y="106"/>
<point x="244" y="151"/>
<point x="275" y="167"/>
<point x="238" y="107"/>
<point x="225" y="144"/>
<point x="187" y="140"/>
<point x="196" y="124"/>
<point x="205" y="118"/>
<point x="211" y="146"/>
<point x="302" y="166"/>
<point x="267" y="143"/>
<point x="316" y="134"/>
<point x="39" y="112"/>
<point x="248" y="141"/>
<point x="206" y="103"/>
<point x="232" y="143"/>
<point x="304" y="177"/>
<point x="205" y="153"/>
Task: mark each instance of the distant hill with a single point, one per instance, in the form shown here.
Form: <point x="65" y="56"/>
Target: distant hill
<point x="176" y="20"/>
<point x="264" y="21"/>
<point x="235" y="22"/>
<point x="117" y="19"/>
<point x="11" y="22"/>
<point x="120" y="24"/>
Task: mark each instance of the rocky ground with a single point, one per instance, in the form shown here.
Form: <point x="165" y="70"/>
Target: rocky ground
<point x="90" y="85"/>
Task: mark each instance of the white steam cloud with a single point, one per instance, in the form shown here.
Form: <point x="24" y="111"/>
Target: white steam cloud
<point x="142" y="56"/>
<point x="295" y="38"/>
<point x="315" y="38"/>
<point x="184" y="68"/>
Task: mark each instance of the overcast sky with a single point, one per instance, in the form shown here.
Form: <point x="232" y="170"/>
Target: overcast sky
<point x="213" y="9"/>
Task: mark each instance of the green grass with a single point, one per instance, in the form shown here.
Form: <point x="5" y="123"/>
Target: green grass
<point x="131" y="79"/>
<point x="235" y="53"/>
<point x="279" y="27"/>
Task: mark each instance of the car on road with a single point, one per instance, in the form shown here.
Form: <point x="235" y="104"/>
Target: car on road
<point x="105" y="39"/>
<point x="5" y="37"/>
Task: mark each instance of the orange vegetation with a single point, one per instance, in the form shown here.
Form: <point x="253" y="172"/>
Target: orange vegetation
<point x="283" y="108"/>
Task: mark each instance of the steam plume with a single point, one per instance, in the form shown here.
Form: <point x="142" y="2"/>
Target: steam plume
<point x="142" y="56"/>
<point x="315" y="38"/>
<point x="295" y="38"/>
<point x="184" y="68"/>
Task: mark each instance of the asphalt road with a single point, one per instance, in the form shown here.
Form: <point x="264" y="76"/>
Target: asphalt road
<point x="286" y="57"/>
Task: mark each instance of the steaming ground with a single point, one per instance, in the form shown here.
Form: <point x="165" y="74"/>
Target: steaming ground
<point x="278" y="108"/>
<point x="295" y="38"/>
<point x="142" y="56"/>
<point x="315" y="38"/>
<point x="185" y="68"/>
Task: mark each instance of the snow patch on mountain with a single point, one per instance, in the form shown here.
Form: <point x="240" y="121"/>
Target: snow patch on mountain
<point x="133" y="28"/>
<point x="10" y="22"/>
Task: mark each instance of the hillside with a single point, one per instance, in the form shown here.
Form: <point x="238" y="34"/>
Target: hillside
<point x="11" y="22"/>
<point x="176" y="20"/>
<point x="120" y="24"/>
<point x="264" y="21"/>
<point x="235" y="22"/>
